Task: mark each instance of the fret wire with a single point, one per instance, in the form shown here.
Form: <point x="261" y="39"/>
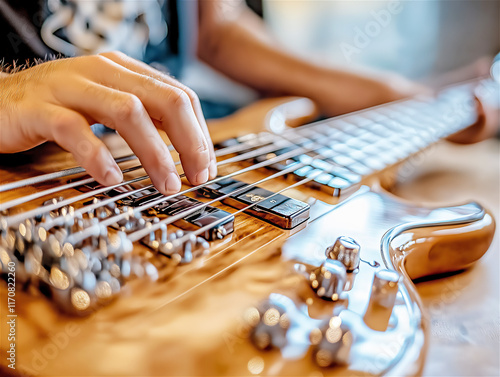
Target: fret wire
<point x="333" y="162"/>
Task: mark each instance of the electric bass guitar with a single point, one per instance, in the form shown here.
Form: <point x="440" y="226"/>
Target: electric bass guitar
<point x="295" y="260"/>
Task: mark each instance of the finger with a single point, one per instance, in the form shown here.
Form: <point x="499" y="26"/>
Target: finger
<point x="147" y="79"/>
<point x="72" y="132"/>
<point x="144" y="69"/>
<point x="125" y="113"/>
<point x="486" y="125"/>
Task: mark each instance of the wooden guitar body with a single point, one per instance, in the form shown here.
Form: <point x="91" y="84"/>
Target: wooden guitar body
<point x="196" y="318"/>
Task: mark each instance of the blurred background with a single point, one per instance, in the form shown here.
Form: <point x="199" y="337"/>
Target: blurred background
<point x="424" y="40"/>
<point x="416" y="38"/>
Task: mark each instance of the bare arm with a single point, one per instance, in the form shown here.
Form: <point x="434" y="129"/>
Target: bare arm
<point x="235" y="41"/>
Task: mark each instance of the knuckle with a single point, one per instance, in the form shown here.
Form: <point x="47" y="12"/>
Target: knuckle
<point x="201" y="147"/>
<point x="180" y="99"/>
<point x="129" y="106"/>
<point x="193" y="97"/>
<point x="98" y="60"/>
<point x="60" y="123"/>
<point x="112" y="54"/>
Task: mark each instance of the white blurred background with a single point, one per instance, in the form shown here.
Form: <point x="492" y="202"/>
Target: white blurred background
<point x="417" y="38"/>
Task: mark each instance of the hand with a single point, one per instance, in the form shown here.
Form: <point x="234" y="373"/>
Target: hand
<point x="486" y="126"/>
<point x="58" y="100"/>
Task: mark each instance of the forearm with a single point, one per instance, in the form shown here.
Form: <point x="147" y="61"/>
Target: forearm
<point x="248" y="55"/>
<point x="242" y="49"/>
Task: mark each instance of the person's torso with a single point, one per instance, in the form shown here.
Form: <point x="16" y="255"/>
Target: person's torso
<point x="145" y="30"/>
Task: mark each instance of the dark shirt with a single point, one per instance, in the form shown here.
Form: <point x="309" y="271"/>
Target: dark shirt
<point x="146" y="30"/>
<point x="161" y="33"/>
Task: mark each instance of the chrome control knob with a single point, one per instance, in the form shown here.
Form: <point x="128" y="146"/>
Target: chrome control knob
<point x="329" y="279"/>
<point x="345" y="250"/>
<point x="268" y="324"/>
<point x="382" y="299"/>
<point x="331" y="343"/>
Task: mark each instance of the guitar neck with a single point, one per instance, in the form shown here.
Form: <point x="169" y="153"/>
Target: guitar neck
<point x="374" y="139"/>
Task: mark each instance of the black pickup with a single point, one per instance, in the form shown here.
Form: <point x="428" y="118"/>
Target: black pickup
<point x="279" y="210"/>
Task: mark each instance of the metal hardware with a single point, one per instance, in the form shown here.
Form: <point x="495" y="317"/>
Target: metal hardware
<point x="345" y="250"/>
<point x="280" y="210"/>
<point x="169" y="244"/>
<point x="269" y="324"/>
<point x="331" y="343"/>
<point x="382" y="299"/>
<point x="328" y="280"/>
<point x="199" y="219"/>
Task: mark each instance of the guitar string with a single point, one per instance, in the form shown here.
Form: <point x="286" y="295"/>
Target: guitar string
<point x="7" y="205"/>
<point x="16" y="219"/>
<point x="31" y="181"/>
<point x="229" y="160"/>
<point x="112" y="220"/>
<point x="245" y="157"/>
<point x="183" y="214"/>
<point x="256" y="153"/>
<point x="221" y="152"/>
<point x="54" y="222"/>
<point x="76" y="170"/>
<point x="205" y="228"/>
<point x="143" y="232"/>
<point x="28" y="198"/>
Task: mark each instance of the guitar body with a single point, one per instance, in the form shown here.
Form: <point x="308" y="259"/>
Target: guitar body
<point x="192" y="321"/>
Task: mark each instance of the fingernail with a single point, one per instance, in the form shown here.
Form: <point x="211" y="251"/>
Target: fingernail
<point x="173" y="183"/>
<point x="113" y="176"/>
<point x="212" y="169"/>
<point x="201" y="177"/>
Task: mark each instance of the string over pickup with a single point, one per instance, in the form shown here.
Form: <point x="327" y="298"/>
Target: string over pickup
<point x="199" y="219"/>
<point x="279" y="210"/>
<point x="174" y="206"/>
